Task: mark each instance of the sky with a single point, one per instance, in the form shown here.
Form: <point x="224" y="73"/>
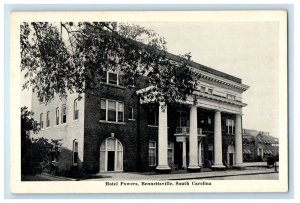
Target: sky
<point x="248" y="50"/>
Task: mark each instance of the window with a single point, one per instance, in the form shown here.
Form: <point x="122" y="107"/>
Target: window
<point x="112" y="111"/>
<point x="131" y="114"/>
<point x="170" y="153"/>
<point x="152" y="153"/>
<point x="183" y="119"/>
<point x="112" y="78"/>
<point x="75" y="152"/>
<point x="202" y="89"/>
<point x="57" y="116"/>
<point x="103" y="110"/>
<point x="153" y="116"/>
<point x="112" y="116"/>
<point x="209" y="120"/>
<point x="210" y="91"/>
<point x="48" y="119"/>
<point x="76" y="111"/>
<point x="230" y="96"/>
<point x="64" y="114"/>
<point x="41" y="121"/>
<point x="120" y="111"/>
<point x="230" y="126"/>
<point x="260" y="152"/>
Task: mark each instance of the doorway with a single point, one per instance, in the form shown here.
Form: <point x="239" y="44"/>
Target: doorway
<point x="230" y="155"/>
<point x="111" y="155"/>
<point x="110" y="161"/>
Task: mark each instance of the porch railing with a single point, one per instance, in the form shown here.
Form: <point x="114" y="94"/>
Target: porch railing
<point x="186" y="131"/>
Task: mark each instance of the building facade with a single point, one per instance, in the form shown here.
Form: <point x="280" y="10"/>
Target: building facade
<point x="111" y="129"/>
<point x="259" y="145"/>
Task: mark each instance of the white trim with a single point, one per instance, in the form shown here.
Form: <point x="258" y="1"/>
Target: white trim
<point x="112" y="122"/>
<point x="221" y="80"/>
<point x="153" y="126"/>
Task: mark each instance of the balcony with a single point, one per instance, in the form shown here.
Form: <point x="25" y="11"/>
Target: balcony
<point x="180" y="131"/>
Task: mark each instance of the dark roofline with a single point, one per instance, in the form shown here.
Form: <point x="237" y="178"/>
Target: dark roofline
<point x="204" y="68"/>
<point x="189" y="62"/>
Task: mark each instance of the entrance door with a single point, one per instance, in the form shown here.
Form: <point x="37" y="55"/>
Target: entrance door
<point x="230" y="155"/>
<point x="110" y="161"/>
<point x="231" y="159"/>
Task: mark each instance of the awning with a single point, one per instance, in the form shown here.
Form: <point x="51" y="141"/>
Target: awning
<point x="268" y="152"/>
<point x="246" y="151"/>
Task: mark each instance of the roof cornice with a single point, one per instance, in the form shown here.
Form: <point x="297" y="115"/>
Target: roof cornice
<point x="220" y="80"/>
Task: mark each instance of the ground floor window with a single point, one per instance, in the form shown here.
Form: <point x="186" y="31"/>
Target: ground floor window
<point x="111" y="155"/>
<point x="75" y="152"/>
<point x="171" y="153"/>
<point x="152" y="153"/>
<point x="201" y="154"/>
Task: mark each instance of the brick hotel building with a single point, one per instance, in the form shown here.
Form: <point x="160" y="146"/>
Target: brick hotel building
<point x="110" y="129"/>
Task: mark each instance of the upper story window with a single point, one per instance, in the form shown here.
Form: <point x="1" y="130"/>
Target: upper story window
<point x="63" y="114"/>
<point x="230" y="96"/>
<point x="112" y="78"/>
<point x="230" y="126"/>
<point x="41" y="121"/>
<point x="57" y="116"/>
<point x="112" y="111"/>
<point x="209" y="120"/>
<point x="76" y="111"/>
<point x="153" y="116"/>
<point x="210" y="91"/>
<point x="131" y="113"/>
<point x="202" y="89"/>
<point x="183" y="119"/>
<point x="48" y="119"/>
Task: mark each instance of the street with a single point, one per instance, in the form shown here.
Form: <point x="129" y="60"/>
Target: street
<point x="269" y="176"/>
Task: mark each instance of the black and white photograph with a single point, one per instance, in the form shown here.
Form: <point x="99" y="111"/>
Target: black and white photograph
<point x="149" y="101"/>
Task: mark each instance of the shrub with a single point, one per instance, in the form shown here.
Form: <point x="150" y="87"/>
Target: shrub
<point x="37" y="154"/>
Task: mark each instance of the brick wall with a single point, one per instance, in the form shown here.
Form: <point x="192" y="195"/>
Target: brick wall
<point x="96" y="131"/>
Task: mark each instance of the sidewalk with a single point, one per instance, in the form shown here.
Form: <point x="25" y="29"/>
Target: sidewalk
<point x="250" y="169"/>
<point x="181" y="175"/>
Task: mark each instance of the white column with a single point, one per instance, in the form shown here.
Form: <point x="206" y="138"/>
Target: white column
<point x="193" y="140"/>
<point x="218" y="141"/>
<point x="184" y="154"/>
<point x="200" y="153"/>
<point x="163" y="139"/>
<point x="238" y="141"/>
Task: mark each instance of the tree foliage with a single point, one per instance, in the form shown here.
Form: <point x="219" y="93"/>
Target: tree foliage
<point x="37" y="154"/>
<point x="58" y="58"/>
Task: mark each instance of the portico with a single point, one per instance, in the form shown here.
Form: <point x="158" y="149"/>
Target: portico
<point x="191" y="136"/>
<point x="217" y="105"/>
